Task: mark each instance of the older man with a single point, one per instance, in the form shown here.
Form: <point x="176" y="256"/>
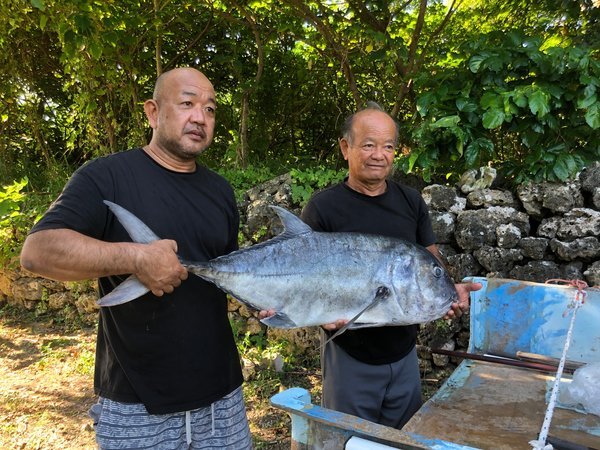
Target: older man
<point x="167" y="367"/>
<point x="373" y="373"/>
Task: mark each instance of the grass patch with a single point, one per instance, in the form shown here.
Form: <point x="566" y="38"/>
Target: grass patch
<point x="85" y="362"/>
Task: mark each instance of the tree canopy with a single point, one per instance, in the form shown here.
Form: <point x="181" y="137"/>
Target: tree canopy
<point x="509" y="83"/>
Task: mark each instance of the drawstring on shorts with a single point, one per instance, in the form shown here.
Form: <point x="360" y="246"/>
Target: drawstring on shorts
<point x="188" y="427"/>
<point x="188" y="424"/>
<point x="212" y="413"/>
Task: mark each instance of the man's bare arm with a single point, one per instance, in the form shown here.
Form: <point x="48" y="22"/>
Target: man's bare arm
<point x="67" y="255"/>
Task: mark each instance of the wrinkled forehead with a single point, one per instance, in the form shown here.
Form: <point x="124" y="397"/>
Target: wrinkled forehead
<point x="203" y="93"/>
<point x="373" y="118"/>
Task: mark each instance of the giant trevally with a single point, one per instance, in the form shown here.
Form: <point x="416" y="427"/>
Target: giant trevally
<point x="313" y="278"/>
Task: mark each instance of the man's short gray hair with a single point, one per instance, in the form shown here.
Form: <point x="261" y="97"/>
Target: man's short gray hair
<point x="346" y="129"/>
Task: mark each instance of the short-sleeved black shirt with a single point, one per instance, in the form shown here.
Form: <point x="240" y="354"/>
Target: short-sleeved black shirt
<point x="176" y="352"/>
<point x="399" y="212"/>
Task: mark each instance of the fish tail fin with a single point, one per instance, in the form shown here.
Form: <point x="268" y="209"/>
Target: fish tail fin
<point x="128" y="290"/>
<point x="137" y="230"/>
<point x="382" y="292"/>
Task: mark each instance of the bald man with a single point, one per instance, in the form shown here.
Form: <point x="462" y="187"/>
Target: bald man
<point x="167" y="369"/>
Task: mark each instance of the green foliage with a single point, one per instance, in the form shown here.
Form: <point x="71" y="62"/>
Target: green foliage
<point x="244" y="339"/>
<point x="85" y="362"/>
<point x="306" y="182"/>
<point x="442" y="326"/>
<point x="259" y="234"/>
<point x="19" y="210"/>
<point x="243" y="179"/>
<point x="13" y="221"/>
<point x="261" y="349"/>
<point x="526" y="108"/>
<point x="11" y="198"/>
<point x="56" y="350"/>
<point x="256" y="347"/>
<point x="251" y="342"/>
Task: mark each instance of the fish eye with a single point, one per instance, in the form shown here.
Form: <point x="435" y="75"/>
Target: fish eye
<point x="437" y="271"/>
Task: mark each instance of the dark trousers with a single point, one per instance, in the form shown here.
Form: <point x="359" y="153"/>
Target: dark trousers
<point x="388" y="394"/>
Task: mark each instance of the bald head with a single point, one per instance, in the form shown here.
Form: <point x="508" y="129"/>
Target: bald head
<point x="177" y="75"/>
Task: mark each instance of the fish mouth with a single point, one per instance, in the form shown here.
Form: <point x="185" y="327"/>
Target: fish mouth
<point x="452" y="298"/>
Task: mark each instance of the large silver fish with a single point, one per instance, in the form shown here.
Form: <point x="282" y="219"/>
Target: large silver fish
<point x="312" y="278"/>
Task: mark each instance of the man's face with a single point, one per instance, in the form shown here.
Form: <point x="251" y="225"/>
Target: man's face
<point x="184" y="120"/>
<point x="370" y="151"/>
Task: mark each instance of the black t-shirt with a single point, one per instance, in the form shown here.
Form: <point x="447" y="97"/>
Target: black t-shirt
<point x="176" y="352"/>
<point x="400" y="212"/>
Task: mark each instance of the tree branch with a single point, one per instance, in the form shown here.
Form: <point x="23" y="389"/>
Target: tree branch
<point x="191" y="45"/>
<point x="416" y="36"/>
<point x="451" y="10"/>
<point x="368" y="18"/>
<point x="415" y="62"/>
<point x="338" y="51"/>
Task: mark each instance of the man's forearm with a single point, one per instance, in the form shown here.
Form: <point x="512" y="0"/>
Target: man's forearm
<point x="67" y="255"/>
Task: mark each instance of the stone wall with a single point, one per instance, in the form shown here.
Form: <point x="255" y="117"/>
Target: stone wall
<point x="27" y="291"/>
<point x="536" y="232"/>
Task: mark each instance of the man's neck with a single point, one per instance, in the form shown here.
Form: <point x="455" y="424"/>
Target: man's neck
<point x="370" y="189"/>
<point x="168" y="161"/>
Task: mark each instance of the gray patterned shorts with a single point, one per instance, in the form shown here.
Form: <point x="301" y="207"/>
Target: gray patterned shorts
<point x="223" y="425"/>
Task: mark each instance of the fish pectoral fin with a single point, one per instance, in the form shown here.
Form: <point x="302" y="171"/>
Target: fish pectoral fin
<point x="381" y="293"/>
<point x="128" y="290"/>
<point x="279" y="320"/>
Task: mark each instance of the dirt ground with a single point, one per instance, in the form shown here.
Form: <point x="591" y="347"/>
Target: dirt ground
<point x="44" y="396"/>
<point x="46" y="375"/>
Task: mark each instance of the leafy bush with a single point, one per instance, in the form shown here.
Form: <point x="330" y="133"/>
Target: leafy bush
<point x="306" y="182"/>
<point x="11" y="198"/>
<point x="243" y="179"/>
<point x="13" y="222"/>
<point x="19" y="210"/>
<point x="524" y="106"/>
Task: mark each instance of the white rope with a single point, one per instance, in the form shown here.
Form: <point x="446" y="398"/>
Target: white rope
<point x="540" y="443"/>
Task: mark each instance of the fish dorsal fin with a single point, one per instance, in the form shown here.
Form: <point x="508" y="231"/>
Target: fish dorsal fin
<point x="292" y="225"/>
<point x="382" y="293"/>
<point x="137" y="230"/>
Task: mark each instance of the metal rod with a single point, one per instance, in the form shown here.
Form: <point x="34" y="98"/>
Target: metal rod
<point x="535" y="357"/>
<point x="499" y="360"/>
